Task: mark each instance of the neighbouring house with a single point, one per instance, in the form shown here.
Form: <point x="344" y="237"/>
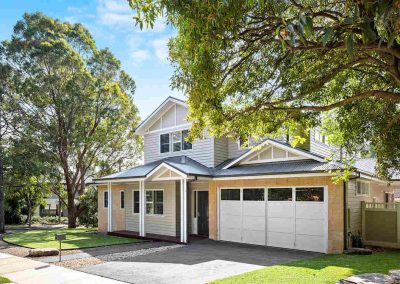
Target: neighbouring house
<point x="272" y="194"/>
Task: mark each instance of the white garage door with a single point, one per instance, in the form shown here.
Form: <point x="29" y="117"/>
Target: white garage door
<point x="286" y="217"/>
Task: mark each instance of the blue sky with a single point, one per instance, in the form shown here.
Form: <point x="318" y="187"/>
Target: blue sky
<point x="143" y="54"/>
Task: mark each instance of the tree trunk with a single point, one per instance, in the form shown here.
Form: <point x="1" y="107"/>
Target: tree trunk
<point x="29" y="216"/>
<point x="2" y="218"/>
<point x="71" y="209"/>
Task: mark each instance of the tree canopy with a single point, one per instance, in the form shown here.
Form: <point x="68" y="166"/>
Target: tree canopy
<point x="75" y="103"/>
<point x="262" y="67"/>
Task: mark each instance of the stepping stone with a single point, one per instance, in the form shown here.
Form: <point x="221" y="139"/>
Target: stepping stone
<point x="368" y="278"/>
<point x="395" y="274"/>
<point x="43" y="252"/>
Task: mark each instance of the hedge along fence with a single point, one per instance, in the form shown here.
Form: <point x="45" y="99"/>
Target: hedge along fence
<point x="381" y="224"/>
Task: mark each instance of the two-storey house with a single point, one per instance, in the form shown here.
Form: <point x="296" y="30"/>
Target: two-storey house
<point x="272" y="194"/>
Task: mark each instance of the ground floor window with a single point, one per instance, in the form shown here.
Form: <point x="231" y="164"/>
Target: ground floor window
<point x="155" y="202"/>
<point x="105" y="199"/>
<point x="230" y="194"/>
<point x="280" y="194"/>
<point x="310" y="194"/>
<point x="136" y="202"/>
<point x="122" y="199"/>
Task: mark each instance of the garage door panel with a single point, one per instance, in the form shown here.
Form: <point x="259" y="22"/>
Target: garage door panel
<point x="231" y="234"/>
<point x="231" y="207"/>
<point x="230" y="221"/>
<point x="254" y="208"/>
<point x="253" y="237"/>
<point x="280" y="225"/>
<point x="282" y="209"/>
<point x="254" y="223"/>
<point x="310" y="227"/>
<point x="310" y="243"/>
<point x="310" y="210"/>
<point x="280" y="240"/>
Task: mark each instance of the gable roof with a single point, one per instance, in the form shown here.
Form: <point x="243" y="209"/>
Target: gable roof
<point x="278" y="144"/>
<point x="156" y="113"/>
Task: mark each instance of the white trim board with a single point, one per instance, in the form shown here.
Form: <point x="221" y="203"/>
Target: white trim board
<point x="276" y="144"/>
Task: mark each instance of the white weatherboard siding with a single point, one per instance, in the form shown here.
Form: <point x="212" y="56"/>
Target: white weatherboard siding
<point x="287" y="224"/>
<point x="220" y="150"/>
<point x="202" y="150"/>
<point x="155" y="224"/>
<point x="233" y="149"/>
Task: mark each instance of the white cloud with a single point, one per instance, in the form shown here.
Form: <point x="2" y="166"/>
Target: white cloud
<point x="114" y="13"/>
<point x="160" y="47"/>
<point x="140" y="55"/>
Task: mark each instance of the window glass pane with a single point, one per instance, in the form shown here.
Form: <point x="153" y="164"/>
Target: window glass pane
<point x="159" y="208"/>
<point x="255" y="194"/>
<point x="159" y="196"/>
<point x="136" y="202"/>
<point x="310" y="194"/>
<point x="149" y="196"/>
<point x="105" y="201"/>
<point x="279" y="153"/>
<point x="164" y="143"/>
<point x="149" y="208"/>
<point x="122" y="200"/>
<point x="230" y="194"/>
<point x="280" y="194"/>
<point x="185" y="145"/>
<point x="176" y="141"/>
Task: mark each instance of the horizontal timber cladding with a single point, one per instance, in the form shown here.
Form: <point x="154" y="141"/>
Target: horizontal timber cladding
<point x="118" y="213"/>
<point x="335" y="203"/>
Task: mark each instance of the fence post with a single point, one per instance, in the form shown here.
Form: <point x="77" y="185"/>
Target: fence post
<point x="363" y="219"/>
<point x="397" y="206"/>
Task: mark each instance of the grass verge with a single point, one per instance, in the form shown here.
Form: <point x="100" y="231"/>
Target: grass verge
<point x="76" y="239"/>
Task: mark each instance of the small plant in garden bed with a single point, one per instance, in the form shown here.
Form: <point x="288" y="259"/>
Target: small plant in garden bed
<point x="4" y="280"/>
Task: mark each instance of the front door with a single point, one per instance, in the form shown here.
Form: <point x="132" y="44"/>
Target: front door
<point x="202" y="213"/>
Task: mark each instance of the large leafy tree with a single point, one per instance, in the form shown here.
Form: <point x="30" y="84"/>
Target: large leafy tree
<point x="257" y="67"/>
<point x="75" y="102"/>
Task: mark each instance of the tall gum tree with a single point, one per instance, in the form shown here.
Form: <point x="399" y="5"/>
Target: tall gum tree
<point x="73" y="98"/>
<point x="257" y="67"/>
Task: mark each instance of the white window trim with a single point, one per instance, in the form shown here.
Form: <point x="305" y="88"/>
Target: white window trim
<point x="104" y="198"/>
<point x="120" y="199"/>
<point x="369" y="188"/>
<point x="243" y="148"/>
<point x="152" y="214"/>
<point x="133" y="202"/>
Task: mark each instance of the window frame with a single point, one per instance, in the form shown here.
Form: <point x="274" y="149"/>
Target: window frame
<point x="171" y="142"/>
<point x="134" y="201"/>
<point x="104" y="199"/>
<point x="280" y="187"/>
<point x="243" y="189"/>
<point x="178" y="141"/>
<point x="161" y="144"/>
<point x="224" y="188"/>
<point x="368" y="185"/>
<point x="153" y="202"/>
<point x="324" y="196"/>
<point x="121" y="192"/>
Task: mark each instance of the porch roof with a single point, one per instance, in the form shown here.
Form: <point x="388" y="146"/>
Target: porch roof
<point x="183" y="164"/>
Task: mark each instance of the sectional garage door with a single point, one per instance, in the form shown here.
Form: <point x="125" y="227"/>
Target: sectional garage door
<point x="280" y="217"/>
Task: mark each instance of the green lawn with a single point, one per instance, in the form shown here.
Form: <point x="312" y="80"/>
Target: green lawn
<point x="324" y="269"/>
<point x="76" y="238"/>
<point x="4" y="280"/>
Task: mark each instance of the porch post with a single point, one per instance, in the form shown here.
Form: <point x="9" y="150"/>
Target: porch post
<point x="109" y="208"/>
<point x="142" y="208"/>
<point x="183" y="211"/>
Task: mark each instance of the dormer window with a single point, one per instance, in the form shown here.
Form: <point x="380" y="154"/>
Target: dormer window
<point x="242" y="144"/>
<point x="174" y="141"/>
<point x="319" y="137"/>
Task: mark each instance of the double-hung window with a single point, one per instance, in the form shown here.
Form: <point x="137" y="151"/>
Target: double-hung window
<point x="122" y="199"/>
<point x="105" y="199"/>
<point x="175" y="141"/>
<point x="155" y="202"/>
<point x="362" y="188"/>
<point x="136" y="202"/>
<point x="164" y="143"/>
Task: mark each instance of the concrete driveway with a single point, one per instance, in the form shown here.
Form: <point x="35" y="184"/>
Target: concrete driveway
<point x="199" y="262"/>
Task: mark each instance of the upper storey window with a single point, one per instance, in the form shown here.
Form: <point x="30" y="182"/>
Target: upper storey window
<point x="319" y="137"/>
<point x="174" y="141"/>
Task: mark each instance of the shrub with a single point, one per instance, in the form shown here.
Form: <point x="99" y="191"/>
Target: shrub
<point x="88" y="208"/>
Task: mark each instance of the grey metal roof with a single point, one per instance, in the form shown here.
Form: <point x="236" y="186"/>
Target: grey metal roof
<point x="272" y="168"/>
<point x="183" y="164"/>
<point x="367" y="166"/>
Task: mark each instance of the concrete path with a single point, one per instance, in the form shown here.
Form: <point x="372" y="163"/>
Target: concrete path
<point x="199" y="262"/>
<point x="26" y="271"/>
